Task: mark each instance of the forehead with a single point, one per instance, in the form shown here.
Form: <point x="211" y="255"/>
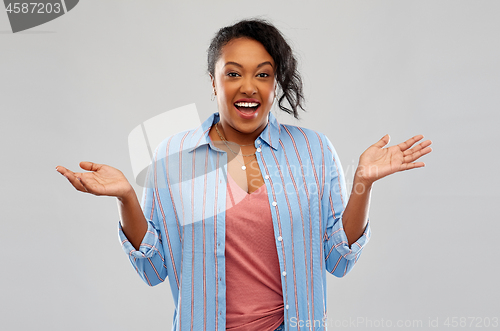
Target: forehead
<point x="247" y="52"/>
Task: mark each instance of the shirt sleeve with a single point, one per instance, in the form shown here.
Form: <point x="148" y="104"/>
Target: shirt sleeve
<point x="339" y="256"/>
<point x="148" y="261"/>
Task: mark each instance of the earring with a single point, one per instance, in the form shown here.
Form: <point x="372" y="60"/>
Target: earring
<point x="213" y="96"/>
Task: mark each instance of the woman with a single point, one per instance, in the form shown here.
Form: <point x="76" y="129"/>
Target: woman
<point x="244" y="214"/>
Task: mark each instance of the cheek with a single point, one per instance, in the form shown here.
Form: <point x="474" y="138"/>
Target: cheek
<point x="225" y="90"/>
<point x="270" y="94"/>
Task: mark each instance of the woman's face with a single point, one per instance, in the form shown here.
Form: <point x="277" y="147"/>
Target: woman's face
<point x="245" y="86"/>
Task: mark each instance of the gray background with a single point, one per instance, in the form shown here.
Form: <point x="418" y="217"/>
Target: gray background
<point x="72" y="90"/>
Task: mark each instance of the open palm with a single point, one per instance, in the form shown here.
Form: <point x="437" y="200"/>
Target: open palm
<point x="377" y="162"/>
<point x="100" y="180"/>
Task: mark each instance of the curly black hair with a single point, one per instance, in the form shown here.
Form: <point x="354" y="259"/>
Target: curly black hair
<point x="270" y="37"/>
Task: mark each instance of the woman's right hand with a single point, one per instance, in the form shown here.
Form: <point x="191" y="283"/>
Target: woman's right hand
<point x="101" y="180"/>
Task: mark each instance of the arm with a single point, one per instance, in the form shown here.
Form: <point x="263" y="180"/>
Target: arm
<point x="141" y="241"/>
<point x="133" y="222"/>
<point x="340" y="253"/>
<point x="347" y="227"/>
<point x="139" y="236"/>
<point x="355" y="216"/>
<point x="105" y="180"/>
<point x="375" y="163"/>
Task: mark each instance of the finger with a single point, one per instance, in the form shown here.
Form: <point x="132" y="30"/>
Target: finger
<point x="65" y="172"/>
<point x="383" y="141"/>
<point x="73" y="179"/>
<point x="90" y="166"/>
<point x="417" y="155"/>
<point x="408" y="166"/>
<point x="417" y="147"/>
<point x="84" y="183"/>
<point x="407" y="144"/>
<point x="62" y="170"/>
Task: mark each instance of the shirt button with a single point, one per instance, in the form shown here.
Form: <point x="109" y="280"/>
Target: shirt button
<point x="286" y="307"/>
<point x="280" y="238"/>
<point x="258" y="149"/>
<point x="266" y="177"/>
<point x="284" y="273"/>
<point x="258" y="141"/>
<point x="274" y="203"/>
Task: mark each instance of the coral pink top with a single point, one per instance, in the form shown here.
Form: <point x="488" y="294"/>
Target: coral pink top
<point x="254" y="298"/>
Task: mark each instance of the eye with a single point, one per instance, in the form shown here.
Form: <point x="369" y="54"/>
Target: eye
<point x="232" y="74"/>
<point x="263" y="75"/>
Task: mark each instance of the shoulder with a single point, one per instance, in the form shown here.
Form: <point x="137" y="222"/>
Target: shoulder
<point x="304" y="140"/>
<point x="174" y="144"/>
<point x="303" y="136"/>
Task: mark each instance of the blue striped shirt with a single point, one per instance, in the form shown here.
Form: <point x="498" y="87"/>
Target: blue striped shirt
<point x="184" y="202"/>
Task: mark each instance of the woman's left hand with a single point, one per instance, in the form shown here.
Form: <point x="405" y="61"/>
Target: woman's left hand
<point x="377" y="162"/>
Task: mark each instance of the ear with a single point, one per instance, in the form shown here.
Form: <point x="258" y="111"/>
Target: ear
<point x="213" y="83"/>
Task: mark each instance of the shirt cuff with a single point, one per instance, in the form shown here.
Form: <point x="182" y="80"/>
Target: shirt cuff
<point x="148" y="245"/>
<point x="338" y="239"/>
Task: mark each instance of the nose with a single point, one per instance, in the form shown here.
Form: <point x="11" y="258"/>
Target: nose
<point x="248" y="86"/>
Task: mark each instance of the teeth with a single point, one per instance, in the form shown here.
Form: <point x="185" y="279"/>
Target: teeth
<point x="246" y="104"/>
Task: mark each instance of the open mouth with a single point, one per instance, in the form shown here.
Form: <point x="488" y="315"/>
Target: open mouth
<point x="247" y="107"/>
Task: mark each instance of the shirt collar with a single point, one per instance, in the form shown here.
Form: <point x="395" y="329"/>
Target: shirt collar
<point x="269" y="135"/>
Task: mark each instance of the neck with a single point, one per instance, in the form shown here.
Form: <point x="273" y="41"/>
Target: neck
<point x="238" y="137"/>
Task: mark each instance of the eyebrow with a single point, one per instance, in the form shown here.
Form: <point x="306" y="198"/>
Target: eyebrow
<point x="239" y="65"/>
